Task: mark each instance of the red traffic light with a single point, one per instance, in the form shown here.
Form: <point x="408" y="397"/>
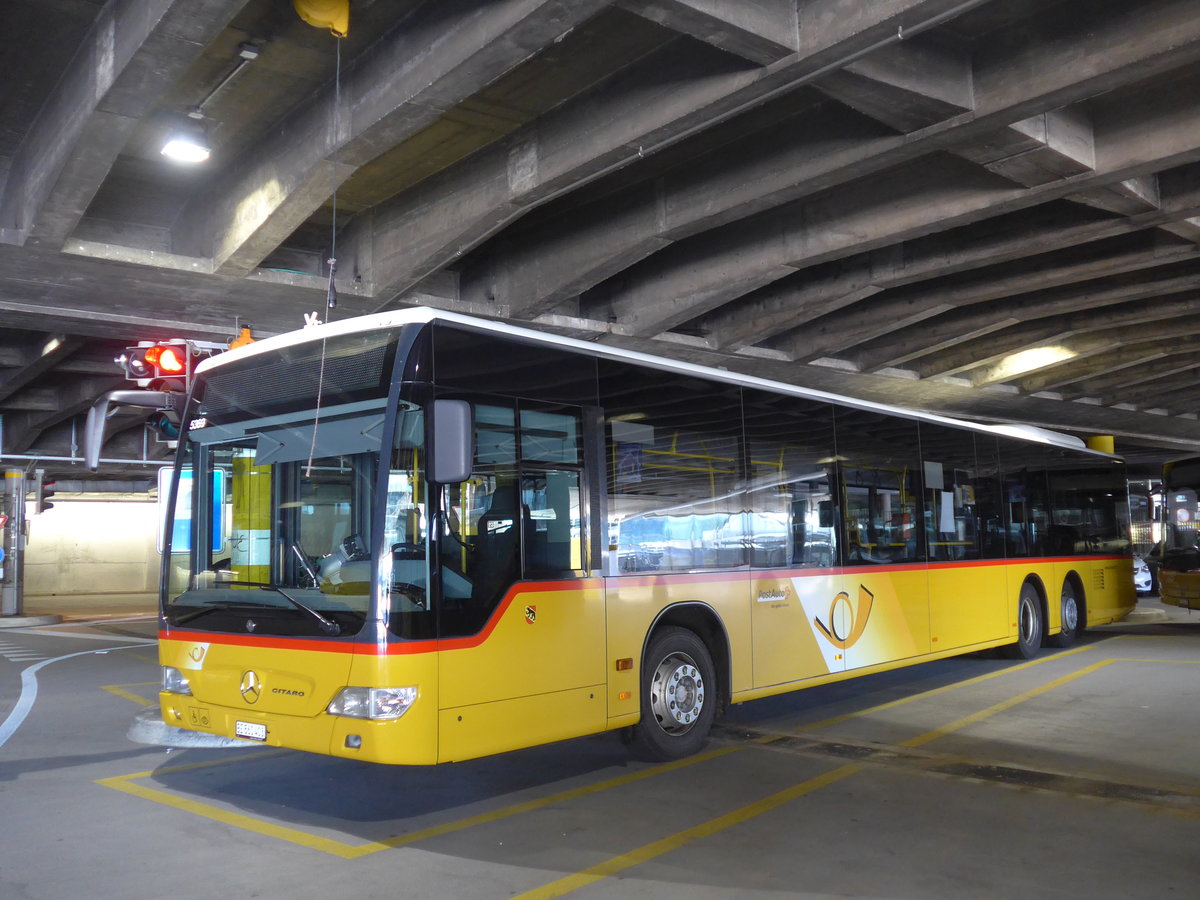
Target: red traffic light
<point x="167" y="359"/>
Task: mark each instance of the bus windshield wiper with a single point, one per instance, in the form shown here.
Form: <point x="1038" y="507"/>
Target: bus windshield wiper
<point x="327" y="625"/>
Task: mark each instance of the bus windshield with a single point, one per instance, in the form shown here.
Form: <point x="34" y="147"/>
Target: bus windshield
<point x="274" y="518"/>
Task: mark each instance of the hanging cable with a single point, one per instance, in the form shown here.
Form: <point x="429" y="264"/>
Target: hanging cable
<point x="331" y="290"/>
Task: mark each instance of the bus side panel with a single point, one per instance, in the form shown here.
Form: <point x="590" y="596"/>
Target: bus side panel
<point x="1107" y="585"/>
<point x="968" y="604"/>
<point x="884" y="615"/>
<point x="545" y="646"/>
<point x="815" y="624"/>
<point x="633" y="605"/>
<point x="792" y="627"/>
<point x="468" y="732"/>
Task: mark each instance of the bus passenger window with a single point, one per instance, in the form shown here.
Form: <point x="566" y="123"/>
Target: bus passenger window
<point x="675" y="481"/>
<point x="791" y="518"/>
<point x="951" y="481"/>
<point x="554" y="536"/>
<point x="879" y="464"/>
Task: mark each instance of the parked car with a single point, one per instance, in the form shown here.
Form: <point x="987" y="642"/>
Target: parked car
<point x="1143" y="580"/>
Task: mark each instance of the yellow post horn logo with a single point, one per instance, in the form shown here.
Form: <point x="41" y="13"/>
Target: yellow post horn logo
<point x="846" y="622"/>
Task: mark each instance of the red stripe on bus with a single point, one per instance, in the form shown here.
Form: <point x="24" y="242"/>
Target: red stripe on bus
<point x="392" y="649"/>
<point x="399" y="648"/>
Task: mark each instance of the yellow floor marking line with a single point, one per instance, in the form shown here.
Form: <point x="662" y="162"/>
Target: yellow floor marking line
<point x="720" y="823"/>
<point x="125" y="783"/>
<point x="1003" y="705"/>
<point x="675" y="841"/>
<point x="933" y="692"/>
<point x="119" y="690"/>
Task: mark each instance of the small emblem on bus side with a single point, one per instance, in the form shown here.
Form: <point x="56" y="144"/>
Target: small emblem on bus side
<point x="531" y="614"/>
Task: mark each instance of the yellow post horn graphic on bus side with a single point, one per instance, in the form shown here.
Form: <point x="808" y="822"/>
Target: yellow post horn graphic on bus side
<point x="846" y="622"/>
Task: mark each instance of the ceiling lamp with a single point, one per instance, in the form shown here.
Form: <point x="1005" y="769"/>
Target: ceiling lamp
<point x="187" y="144"/>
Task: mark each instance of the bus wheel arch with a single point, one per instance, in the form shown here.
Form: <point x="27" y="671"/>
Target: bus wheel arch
<point x="1031" y="620"/>
<point x="1073" y="606"/>
<point x="684" y="678"/>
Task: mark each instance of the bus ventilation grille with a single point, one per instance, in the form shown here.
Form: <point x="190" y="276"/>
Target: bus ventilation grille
<point x="1098" y="579"/>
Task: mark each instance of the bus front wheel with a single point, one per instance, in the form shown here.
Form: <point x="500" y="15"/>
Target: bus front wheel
<point x="1030" y="627"/>
<point x="679" y="696"/>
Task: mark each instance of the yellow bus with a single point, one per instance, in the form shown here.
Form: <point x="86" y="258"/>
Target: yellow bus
<point x="419" y="537"/>
<point x="1178" y="558"/>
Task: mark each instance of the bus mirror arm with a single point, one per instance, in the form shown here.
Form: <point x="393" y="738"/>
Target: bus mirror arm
<point x="97" y="417"/>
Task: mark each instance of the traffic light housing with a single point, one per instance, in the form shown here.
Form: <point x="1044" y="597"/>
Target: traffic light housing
<point x="165" y="365"/>
<point x="43" y="490"/>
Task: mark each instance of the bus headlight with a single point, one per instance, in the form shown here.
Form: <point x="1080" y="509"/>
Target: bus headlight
<point x="173" y="681"/>
<point x="372" y="703"/>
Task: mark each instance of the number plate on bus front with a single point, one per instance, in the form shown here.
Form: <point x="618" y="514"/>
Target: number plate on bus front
<point x="250" y="730"/>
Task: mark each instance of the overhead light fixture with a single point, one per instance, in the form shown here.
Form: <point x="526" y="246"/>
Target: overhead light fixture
<point x="187" y="144"/>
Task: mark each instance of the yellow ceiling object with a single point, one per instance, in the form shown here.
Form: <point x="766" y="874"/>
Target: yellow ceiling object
<point x="331" y="14"/>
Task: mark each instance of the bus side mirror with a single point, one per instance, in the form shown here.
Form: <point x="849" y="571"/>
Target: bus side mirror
<point x="825" y="513"/>
<point x="452" y="449"/>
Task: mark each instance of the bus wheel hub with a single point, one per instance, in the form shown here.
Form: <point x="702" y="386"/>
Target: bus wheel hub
<point x="677" y="693"/>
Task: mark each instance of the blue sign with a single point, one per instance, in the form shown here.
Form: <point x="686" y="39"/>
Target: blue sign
<point x="181" y="531"/>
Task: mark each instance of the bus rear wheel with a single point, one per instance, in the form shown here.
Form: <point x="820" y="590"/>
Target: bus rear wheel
<point x="679" y="696"/>
<point x="1073" y="617"/>
<point x="1030" y="627"/>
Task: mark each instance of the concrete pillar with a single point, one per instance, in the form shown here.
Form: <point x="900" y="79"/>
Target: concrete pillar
<point x="13" y="542"/>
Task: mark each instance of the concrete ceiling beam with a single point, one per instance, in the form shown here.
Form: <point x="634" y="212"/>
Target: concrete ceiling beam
<point x="40" y="358"/>
<point x="136" y="50"/>
<point x="74" y="399"/>
<point x="432" y="61"/>
<point x="762" y="32"/>
<point x="639" y="112"/>
<point x="1043" y="286"/>
<point x="1152" y="393"/>
<point x="1090" y="377"/>
<point x="906" y="86"/>
<point x="1018" y="353"/>
<point x="692" y="277"/>
<point x="1043" y="80"/>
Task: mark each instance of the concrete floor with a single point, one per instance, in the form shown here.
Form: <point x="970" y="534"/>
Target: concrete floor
<point x="1075" y="775"/>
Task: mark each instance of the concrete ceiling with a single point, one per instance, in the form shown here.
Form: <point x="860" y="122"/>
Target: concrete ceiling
<point x="987" y="208"/>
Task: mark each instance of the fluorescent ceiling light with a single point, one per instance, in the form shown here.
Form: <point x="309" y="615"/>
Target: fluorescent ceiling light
<point x="186" y="146"/>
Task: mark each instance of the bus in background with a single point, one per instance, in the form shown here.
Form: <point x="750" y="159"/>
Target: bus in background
<point x="1179" y="559"/>
<point x="443" y="537"/>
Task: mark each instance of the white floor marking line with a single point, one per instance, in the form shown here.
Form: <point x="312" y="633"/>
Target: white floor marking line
<point x="90" y="637"/>
<point x="29" y="692"/>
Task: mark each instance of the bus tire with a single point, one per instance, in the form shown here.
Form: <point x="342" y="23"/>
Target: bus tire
<point x="679" y="696"/>
<point x="1074" y="619"/>
<point x="1030" y="626"/>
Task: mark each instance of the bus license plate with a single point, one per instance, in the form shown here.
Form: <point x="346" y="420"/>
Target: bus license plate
<point x="250" y="730"/>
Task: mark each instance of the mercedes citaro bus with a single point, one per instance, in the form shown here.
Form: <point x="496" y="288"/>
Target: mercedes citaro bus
<point x="417" y="537"/>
